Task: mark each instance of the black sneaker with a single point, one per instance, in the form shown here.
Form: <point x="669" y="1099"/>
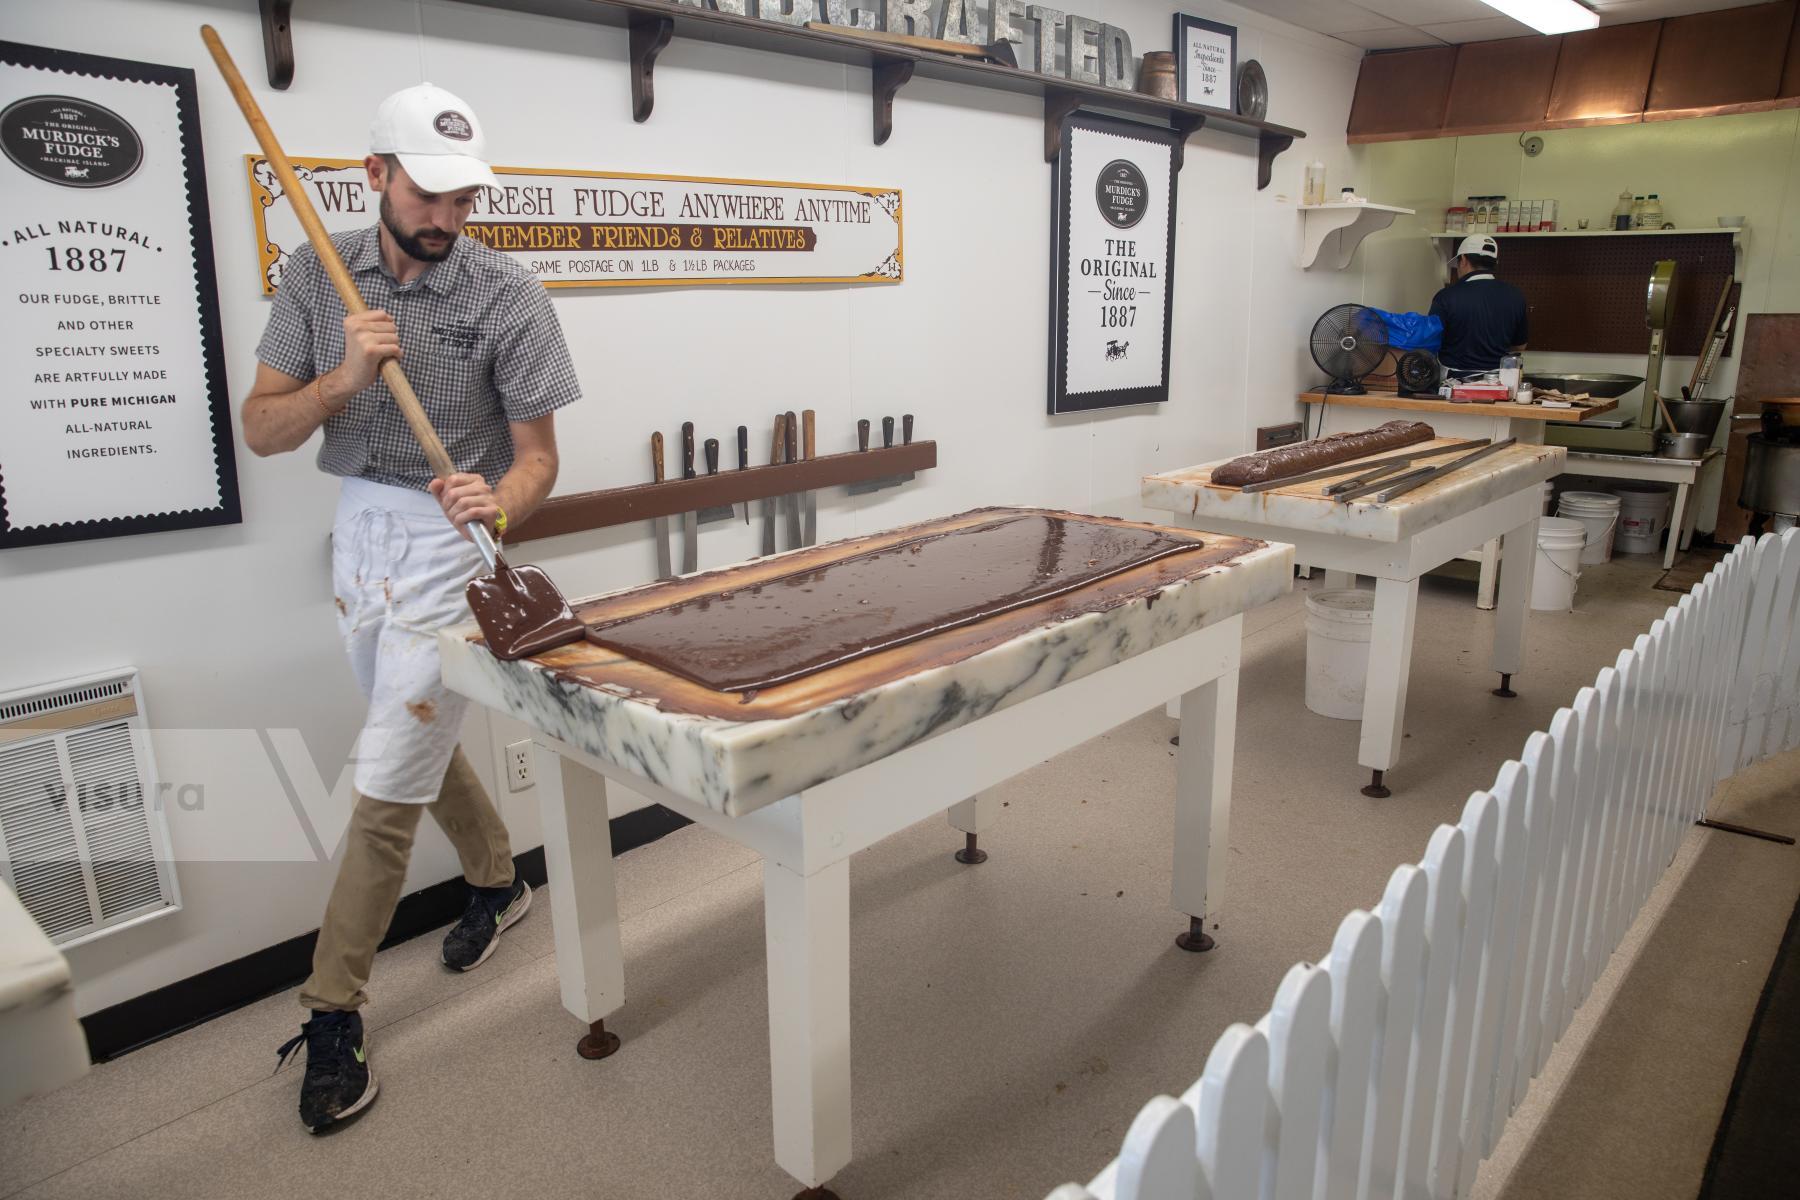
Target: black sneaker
<point x="489" y="913"/>
<point x="338" y="1081"/>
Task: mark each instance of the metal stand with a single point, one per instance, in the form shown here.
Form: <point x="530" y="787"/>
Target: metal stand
<point x="598" y="1043"/>
<point x="1504" y="691"/>
<point x="1195" y="940"/>
<point x="1376" y="789"/>
<point x="1745" y="830"/>
<point x="971" y="854"/>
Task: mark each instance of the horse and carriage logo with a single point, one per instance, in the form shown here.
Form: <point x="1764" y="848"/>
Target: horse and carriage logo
<point x="1115" y="350"/>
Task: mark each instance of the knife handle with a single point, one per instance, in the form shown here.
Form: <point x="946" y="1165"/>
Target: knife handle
<point x="656" y="455"/>
<point x="791" y="433"/>
<point x="887" y="433"/>
<point x="687" y="449"/>
<point x="809" y="445"/>
<point x="780" y="441"/>
<point x="862" y="434"/>
<point x="743" y="447"/>
<point x="906" y="430"/>
<point x="712" y="456"/>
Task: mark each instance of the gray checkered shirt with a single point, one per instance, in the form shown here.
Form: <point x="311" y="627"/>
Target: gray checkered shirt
<point x="483" y="347"/>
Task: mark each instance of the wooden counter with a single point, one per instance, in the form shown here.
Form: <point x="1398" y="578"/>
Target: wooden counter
<point x="1519" y="412"/>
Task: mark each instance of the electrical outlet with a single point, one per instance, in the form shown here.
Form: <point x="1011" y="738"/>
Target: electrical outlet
<point x="1269" y="436"/>
<point x="518" y="766"/>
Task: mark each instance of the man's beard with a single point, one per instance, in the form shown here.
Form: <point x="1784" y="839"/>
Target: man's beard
<point x="411" y="243"/>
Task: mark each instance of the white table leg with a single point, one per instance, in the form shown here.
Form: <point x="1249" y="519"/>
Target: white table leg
<point x="972" y="816"/>
<point x="1339" y="580"/>
<point x="1490" y="563"/>
<point x="1518" y="559"/>
<point x="806" y="920"/>
<point x="1390" y="662"/>
<point x="1678" y="531"/>
<point x="584" y="906"/>
<point x="1203" y="804"/>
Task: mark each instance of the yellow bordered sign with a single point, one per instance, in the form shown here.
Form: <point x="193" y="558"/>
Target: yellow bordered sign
<point x="614" y="229"/>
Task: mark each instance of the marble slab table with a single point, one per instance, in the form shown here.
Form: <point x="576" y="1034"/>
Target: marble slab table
<point x="1499" y="496"/>
<point x="1527" y="422"/>
<point x="810" y="771"/>
<point x="41" y="1043"/>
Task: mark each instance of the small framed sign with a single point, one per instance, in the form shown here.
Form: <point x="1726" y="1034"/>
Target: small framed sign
<point x="1205" y="62"/>
<point x="1113" y="220"/>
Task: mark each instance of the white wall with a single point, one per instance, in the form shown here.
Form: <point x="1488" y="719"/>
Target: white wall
<point x="1746" y="165"/>
<point x="233" y="628"/>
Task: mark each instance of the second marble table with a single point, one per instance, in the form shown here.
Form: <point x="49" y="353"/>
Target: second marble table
<point x="809" y="771"/>
<point x="1497" y="497"/>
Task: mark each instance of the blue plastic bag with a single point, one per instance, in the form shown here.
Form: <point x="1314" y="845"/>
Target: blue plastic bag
<point x="1411" y="330"/>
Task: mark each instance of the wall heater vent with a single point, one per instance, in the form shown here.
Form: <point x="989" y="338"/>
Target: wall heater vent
<point x="83" y="841"/>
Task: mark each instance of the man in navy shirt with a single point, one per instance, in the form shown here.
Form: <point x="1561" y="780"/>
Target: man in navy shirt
<point x="1483" y="317"/>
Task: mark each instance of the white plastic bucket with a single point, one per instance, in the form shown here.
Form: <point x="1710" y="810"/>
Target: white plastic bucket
<point x="1560" y="541"/>
<point x="1599" y="512"/>
<point x="1338" y="624"/>
<point x="1643" y="515"/>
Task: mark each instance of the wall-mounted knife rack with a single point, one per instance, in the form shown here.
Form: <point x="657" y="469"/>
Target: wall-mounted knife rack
<point x="646" y="501"/>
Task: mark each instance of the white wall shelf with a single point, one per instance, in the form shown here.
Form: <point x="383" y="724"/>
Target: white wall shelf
<point x="1733" y="230"/>
<point x="1342" y="227"/>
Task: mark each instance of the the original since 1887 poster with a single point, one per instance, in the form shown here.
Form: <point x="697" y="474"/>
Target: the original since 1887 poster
<point x="1114" y="229"/>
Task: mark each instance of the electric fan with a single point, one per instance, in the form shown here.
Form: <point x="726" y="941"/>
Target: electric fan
<point x="1348" y="342"/>
<point x="1418" y="373"/>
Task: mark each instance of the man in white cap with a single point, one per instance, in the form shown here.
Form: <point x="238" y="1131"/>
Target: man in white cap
<point x="1483" y="317"/>
<point x="481" y="346"/>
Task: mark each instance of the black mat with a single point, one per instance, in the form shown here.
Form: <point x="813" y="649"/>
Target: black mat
<point x="1755" y="1153"/>
<point x="1691" y="567"/>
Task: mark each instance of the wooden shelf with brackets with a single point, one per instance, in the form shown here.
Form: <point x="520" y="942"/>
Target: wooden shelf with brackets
<point x="653" y="24"/>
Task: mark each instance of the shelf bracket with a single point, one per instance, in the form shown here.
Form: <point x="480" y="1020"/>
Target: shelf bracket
<point x="888" y="77"/>
<point x="1057" y="105"/>
<point x="648" y="37"/>
<point x="1268" y="145"/>
<point x="278" y="42"/>
<point x="1185" y="127"/>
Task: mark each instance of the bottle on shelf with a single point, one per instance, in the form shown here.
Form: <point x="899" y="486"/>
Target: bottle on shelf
<point x="1637" y="212"/>
<point x="1653" y="213"/>
<point x="1621" y="218"/>
<point x="1313" y="191"/>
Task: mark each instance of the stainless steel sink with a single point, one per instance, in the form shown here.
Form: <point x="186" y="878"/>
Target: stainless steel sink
<point x="1603" y="384"/>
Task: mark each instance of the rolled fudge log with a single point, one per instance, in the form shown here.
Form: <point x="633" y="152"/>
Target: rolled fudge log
<point x="1302" y="457"/>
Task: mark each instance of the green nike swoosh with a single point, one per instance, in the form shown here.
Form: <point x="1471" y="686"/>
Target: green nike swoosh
<point x="361" y="1057"/>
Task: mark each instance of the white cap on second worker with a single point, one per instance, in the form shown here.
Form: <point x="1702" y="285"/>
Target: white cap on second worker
<point x="436" y="137"/>
<point x="1478" y="243"/>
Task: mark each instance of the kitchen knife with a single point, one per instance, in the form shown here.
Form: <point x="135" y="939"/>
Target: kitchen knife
<point x="862" y="447"/>
<point x="744" y="461"/>
<point x="791" y="501"/>
<point x="771" y="504"/>
<point x="659" y="528"/>
<point x="809" y="501"/>
<point x="887" y="443"/>
<point x="906" y="428"/>
<point x="714" y="512"/>
<point x="690" y="527"/>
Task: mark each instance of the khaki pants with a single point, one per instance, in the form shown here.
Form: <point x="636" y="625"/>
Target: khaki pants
<point x="377" y="849"/>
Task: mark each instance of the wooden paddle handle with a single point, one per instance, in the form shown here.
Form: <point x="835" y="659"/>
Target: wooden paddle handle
<point x="391" y="374"/>
<point x="808" y="447"/>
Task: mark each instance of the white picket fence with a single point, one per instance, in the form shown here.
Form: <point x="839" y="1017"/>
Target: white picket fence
<point x="1389" y="1069"/>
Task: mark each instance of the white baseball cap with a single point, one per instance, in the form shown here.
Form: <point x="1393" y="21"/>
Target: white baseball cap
<point x="1475" y="243"/>
<point x="436" y="137"/>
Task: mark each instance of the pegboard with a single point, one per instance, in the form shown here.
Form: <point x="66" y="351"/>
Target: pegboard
<point x="1587" y="293"/>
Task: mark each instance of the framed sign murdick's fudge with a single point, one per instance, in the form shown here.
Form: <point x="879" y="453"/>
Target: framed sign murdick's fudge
<point x="1113" y="223"/>
<point x="114" y="414"/>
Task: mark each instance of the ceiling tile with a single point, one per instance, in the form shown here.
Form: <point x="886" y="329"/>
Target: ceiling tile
<point x="1321" y="16"/>
<point x="1429" y="12"/>
<point x="1393" y="38"/>
<point x="1480" y="31"/>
